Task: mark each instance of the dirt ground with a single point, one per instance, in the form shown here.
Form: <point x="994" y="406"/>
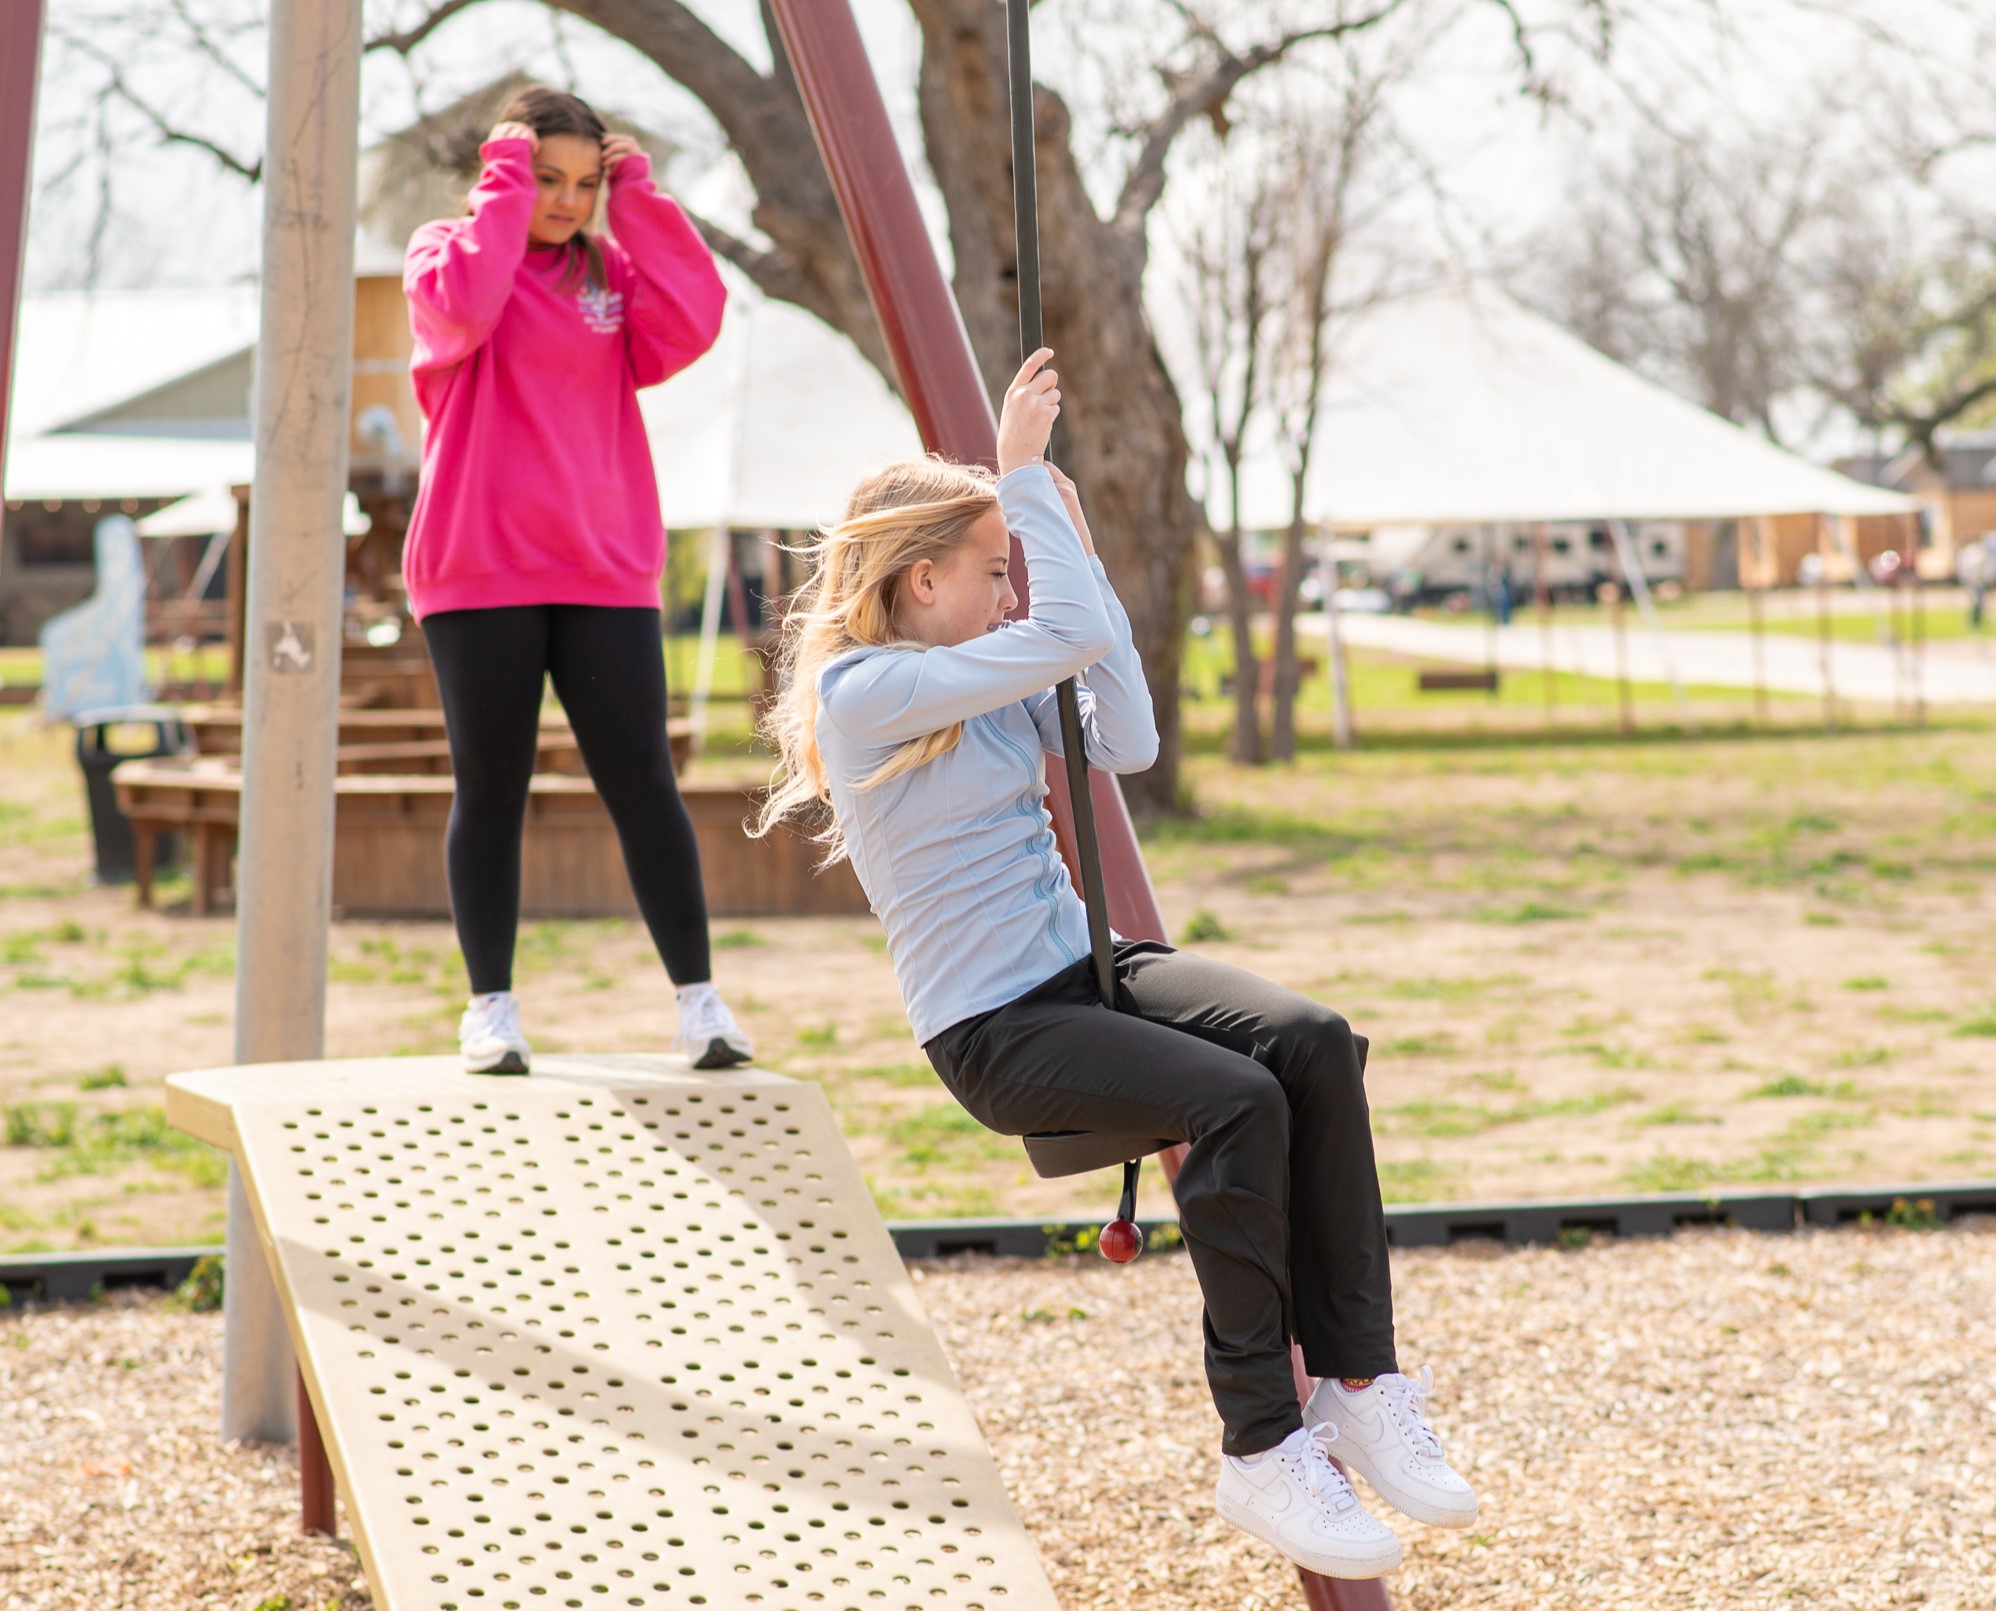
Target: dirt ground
<point x="1722" y="1421"/>
<point x="1584" y="967"/>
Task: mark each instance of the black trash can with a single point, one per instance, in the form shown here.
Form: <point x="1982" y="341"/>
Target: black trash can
<point x="104" y="738"/>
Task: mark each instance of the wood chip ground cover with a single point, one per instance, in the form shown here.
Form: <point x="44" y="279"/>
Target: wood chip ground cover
<point x="1717" y="1422"/>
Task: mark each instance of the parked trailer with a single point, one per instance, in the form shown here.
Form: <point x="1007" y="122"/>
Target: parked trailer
<point x="1430" y="563"/>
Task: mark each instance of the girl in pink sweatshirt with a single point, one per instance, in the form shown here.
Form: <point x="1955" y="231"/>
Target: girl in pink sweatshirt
<point x="536" y="548"/>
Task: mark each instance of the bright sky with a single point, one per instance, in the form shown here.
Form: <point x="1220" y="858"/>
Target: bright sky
<point x="178" y="219"/>
<point x="1502" y="161"/>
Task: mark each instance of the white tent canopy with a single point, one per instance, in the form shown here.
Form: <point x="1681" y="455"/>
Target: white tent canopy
<point x="774" y="425"/>
<point x="1461" y="407"/>
<point x="212" y="511"/>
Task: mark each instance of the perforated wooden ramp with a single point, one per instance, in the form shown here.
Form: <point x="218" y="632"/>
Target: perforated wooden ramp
<point x="621" y="1334"/>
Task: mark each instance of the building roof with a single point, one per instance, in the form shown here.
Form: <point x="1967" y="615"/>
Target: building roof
<point x="771" y="428"/>
<point x="1968" y="461"/>
<point x="81" y="353"/>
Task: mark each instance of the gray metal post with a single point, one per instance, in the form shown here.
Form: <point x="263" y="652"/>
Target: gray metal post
<point x="291" y="654"/>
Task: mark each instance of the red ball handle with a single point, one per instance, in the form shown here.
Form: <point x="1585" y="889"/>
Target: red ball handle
<point x="1121" y="1241"/>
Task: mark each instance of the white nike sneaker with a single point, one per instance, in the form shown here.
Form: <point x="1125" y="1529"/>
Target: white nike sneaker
<point x="708" y="1035"/>
<point x="1294" y="1497"/>
<point x="1384" y="1436"/>
<point x="489" y="1038"/>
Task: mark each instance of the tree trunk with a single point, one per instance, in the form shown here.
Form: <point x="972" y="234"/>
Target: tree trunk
<point x="1288" y="675"/>
<point x="1246" y="745"/>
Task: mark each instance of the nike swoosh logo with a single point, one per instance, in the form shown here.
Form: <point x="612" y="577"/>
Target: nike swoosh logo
<point x="1371" y="1428"/>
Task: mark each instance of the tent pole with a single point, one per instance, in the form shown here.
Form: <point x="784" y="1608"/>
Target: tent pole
<point x="1917" y="606"/>
<point x="1823" y="630"/>
<point x="1619" y="617"/>
<point x="1542" y="605"/>
<point x="718" y="547"/>
<point x="291" y="649"/>
<point x="1490" y="609"/>
<point x="1756" y="613"/>
<point x="1341" y="725"/>
<point x="1625" y="551"/>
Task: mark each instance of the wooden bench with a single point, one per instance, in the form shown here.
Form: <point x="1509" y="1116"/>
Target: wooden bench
<point x="388" y="846"/>
<point x="1440" y="682"/>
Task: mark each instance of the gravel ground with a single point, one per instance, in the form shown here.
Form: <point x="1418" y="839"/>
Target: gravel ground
<point x="1719" y="1421"/>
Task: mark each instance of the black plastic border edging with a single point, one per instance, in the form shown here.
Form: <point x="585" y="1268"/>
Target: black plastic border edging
<point x="60" y="1277"/>
<point x="1515" y="1224"/>
<point x="65" y="1277"/>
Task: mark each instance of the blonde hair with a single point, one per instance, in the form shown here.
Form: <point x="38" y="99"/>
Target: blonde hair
<point x="917" y="510"/>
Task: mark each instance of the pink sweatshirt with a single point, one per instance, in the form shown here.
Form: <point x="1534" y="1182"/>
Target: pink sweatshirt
<point x="538" y="486"/>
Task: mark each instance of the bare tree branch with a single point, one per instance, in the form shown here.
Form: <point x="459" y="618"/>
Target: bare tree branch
<point x="404" y="40"/>
<point x="204" y="42"/>
<point x="1205" y="95"/>
<point x="773" y="273"/>
<point x="742" y="99"/>
<point x="118" y="88"/>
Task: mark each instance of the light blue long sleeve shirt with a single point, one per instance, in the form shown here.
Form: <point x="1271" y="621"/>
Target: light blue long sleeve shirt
<point x="958" y="857"/>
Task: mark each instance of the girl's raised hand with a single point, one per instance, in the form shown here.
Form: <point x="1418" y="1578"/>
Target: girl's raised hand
<point x="1032" y="404"/>
<point x="616" y="147"/>
<point x="515" y="131"/>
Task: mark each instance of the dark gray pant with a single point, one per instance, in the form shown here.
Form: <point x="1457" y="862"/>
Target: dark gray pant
<point x="1278" y="1198"/>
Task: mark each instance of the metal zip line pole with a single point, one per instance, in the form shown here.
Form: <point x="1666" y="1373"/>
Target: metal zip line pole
<point x="1026" y="228"/>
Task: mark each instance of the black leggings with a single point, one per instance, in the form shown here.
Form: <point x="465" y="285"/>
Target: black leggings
<point x="609" y="675"/>
<point x="1278" y="1197"/>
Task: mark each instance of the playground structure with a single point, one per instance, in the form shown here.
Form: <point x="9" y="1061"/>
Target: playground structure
<point x="622" y="1334"/>
<point x="288" y="789"/>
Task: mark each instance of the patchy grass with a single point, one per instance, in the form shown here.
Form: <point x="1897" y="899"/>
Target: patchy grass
<point x="1454" y="990"/>
<point x="1981" y="1023"/>
<point x="1794" y="1085"/>
<point x="71" y="1142"/>
<point x="1668" y="1171"/>
<point x="944" y="1135"/>
<point x="1672" y="1113"/>
<point x="1203" y="926"/>
<point x="1529" y="912"/>
<point x="1428" y="1118"/>
<point x="1418" y="1180"/>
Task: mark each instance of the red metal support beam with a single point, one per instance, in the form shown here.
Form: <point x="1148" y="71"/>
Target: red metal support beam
<point x="945" y="392"/>
<point x="20" y="68"/>
<point x="315" y="1472"/>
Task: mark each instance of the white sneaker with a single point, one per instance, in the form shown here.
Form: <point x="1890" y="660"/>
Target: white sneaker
<point x="489" y="1038"/>
<point x="1384" y="1435"/>
<point x="1294" y="1497"/>
<point x="708" y="1035"/>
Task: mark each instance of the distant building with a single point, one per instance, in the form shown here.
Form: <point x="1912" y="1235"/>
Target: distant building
<point x="128" y="401"/>
<point x="1957" y="496"/>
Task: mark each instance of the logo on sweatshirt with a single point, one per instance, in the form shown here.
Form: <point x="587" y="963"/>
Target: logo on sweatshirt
<point x="602" y="310"/>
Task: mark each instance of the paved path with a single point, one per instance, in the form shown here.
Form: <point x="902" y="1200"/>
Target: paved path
<point x="1954" y="672"/>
